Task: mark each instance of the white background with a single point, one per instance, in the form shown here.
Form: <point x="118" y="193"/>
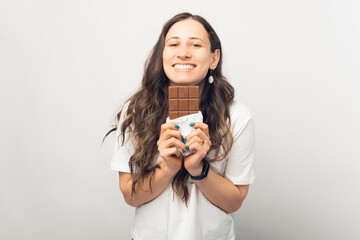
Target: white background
<point x="66" y="66"/>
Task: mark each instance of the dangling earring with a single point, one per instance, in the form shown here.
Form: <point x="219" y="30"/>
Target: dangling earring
<point x="211" y="78"/>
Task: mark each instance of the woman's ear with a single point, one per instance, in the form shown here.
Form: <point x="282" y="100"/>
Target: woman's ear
<point x="215" y="58"/>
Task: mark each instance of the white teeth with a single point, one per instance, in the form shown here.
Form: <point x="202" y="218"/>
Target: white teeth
<point x="178" y="66"/>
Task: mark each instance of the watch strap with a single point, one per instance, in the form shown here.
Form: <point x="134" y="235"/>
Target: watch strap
<point x="204" y="172"/>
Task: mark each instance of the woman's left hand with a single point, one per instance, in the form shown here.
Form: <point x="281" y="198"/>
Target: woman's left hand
<point x="199" y="142"/>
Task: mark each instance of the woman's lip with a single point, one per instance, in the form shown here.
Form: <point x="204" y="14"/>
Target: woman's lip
<point x="184" y="64"/>
<point x="184" y="69"/>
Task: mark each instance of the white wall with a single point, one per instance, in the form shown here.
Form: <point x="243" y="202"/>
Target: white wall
<point x="65" y="67"/>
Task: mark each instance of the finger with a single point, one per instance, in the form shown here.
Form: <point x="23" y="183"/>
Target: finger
<point x="200" y="125"/>
<point x="169" y="153"/>
<point x="197" y="148"/>
<point x="169" y="125"/>
<point x="196" y="139"/>
<point x="193" y="140"/>
<point x="197" y="132"/>
<point x="177" y="153"/>
<point x="170" y="133"/>
<point x="205" y="146"/>
<point x="172" y="142"/>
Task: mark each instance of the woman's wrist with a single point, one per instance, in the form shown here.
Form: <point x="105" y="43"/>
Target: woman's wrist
<point x="196" y="170"/>
<point x="167" y="171"/>
<point x="204" y="172"/>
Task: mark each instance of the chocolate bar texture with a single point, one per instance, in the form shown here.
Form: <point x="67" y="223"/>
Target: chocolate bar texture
<point x="183" y="100"/>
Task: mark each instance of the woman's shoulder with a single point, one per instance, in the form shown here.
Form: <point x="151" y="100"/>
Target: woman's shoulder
<point x="241" y="116"/>
<point x="240" y="112"/>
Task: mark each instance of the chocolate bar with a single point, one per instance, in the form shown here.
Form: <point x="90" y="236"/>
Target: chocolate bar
<point x="183" y="100"/>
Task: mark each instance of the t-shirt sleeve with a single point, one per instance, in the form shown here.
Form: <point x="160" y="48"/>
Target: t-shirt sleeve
<point x="240" y="164"/>
<point x="121" y="153"/>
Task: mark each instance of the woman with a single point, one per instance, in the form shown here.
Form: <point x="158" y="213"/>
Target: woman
<point x="179" y="197"/>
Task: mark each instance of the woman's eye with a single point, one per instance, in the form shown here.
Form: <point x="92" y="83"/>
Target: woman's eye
<point x="175" y="44"/>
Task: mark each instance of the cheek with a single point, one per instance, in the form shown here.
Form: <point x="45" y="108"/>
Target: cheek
<point x="205" y="58"/>
<point x="166" y="55"/>
<point x="165" y="61"/>
<point x="164" y="58"/>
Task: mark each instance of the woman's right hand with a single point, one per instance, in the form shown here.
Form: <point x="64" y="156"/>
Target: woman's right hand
<point x="170" y="138"/>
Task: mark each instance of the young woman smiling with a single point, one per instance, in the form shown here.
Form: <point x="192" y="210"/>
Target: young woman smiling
<point x="180" y="197"/>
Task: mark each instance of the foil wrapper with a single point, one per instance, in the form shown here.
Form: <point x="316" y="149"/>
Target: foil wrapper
<point x="184" y="124"/>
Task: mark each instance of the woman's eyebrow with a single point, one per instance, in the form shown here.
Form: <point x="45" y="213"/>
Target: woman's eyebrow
<point x="190" y="38"/>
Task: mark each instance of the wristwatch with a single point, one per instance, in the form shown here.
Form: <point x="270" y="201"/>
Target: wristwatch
<point x="204" y="172"/>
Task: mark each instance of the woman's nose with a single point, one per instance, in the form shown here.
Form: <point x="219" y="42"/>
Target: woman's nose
<point x="184" y="52"/>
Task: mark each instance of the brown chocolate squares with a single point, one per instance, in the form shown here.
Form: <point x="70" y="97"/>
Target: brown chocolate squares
<point x="183" y="100"/>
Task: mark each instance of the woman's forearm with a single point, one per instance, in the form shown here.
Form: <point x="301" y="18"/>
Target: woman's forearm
<point x="218" y="190"/>
<point x="160" y="180"/>
<point x="221" y="192"/>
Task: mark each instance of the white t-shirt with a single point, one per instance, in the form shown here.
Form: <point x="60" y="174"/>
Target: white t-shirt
<point x="167" y="217"/>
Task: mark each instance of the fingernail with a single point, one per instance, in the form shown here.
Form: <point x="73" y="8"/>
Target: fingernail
<point x="192" y="124"/>
<point x="177" y="126"/>
<point x="187" y="148"/>
<point x="184" y="140"/>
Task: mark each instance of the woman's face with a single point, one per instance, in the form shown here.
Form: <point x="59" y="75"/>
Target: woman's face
<point x="187" y="56"/>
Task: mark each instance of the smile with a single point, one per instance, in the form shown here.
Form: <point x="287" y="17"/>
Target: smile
<point x="181" y="66"/>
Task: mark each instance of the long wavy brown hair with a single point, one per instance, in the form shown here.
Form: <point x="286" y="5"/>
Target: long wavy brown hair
<point x="148" y="108"/>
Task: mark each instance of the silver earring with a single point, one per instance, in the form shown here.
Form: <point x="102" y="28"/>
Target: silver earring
<point x="211" y="78"/>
